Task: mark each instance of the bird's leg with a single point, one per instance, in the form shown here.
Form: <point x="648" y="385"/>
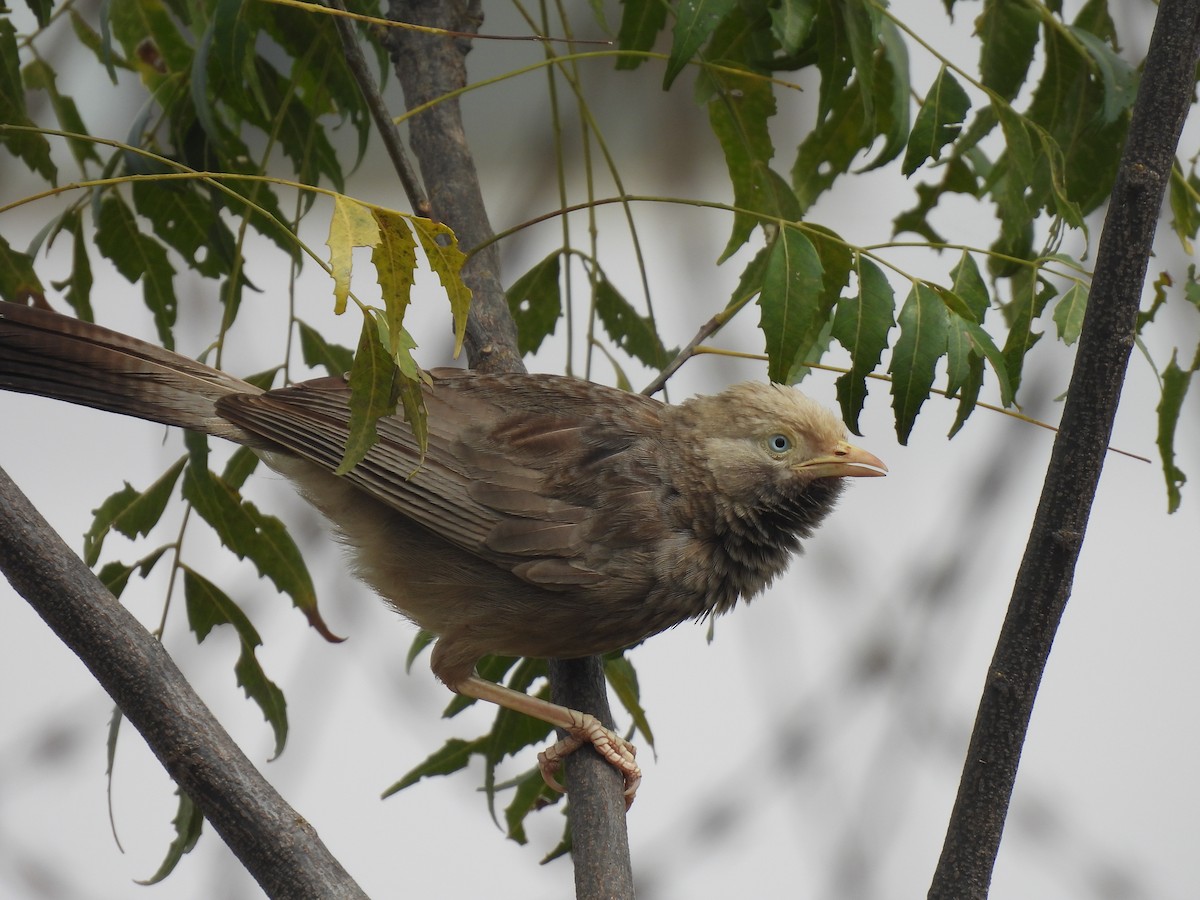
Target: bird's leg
<point x="582" y="728"/>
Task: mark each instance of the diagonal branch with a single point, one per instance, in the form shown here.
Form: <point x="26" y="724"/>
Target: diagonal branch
<point x="1043" y="582"/>
<point x="274" y="842"/>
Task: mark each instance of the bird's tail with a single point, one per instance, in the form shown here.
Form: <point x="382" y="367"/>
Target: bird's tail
<point x="56" y="356"/>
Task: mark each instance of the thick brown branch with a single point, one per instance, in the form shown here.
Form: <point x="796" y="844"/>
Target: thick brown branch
<point x="278" y="847"/>
<point x="1043" y="582"/>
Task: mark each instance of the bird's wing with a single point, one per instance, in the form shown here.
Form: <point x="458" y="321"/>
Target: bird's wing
<point x="508" y="474"/>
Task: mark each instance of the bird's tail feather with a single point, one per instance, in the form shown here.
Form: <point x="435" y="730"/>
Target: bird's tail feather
<point x="51" y="355"/>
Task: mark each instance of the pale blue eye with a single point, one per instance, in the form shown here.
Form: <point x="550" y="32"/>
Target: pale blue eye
<point x="779" y="443"/>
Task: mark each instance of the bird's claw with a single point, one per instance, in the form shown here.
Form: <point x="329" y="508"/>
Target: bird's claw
<point x="613" y="748"/>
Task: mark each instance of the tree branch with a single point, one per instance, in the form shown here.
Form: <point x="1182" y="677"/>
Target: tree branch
<point x="430" y="66"/>
<point x="1043" y="582"/>
<point x="276" y="845"/>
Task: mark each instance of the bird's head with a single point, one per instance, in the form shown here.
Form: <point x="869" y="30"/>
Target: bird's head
<point x="771" y="438"/>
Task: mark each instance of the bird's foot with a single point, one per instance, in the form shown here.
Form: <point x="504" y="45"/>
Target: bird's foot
<point x="614" y="749"/>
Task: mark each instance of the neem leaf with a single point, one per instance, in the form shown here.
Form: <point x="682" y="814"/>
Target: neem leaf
<point x="861" y="325"/>
<point x="130" y="512"/>
<point x="1175" y="383"/>
<point x="790" y="317"/>
<point x="446" y="260"/>
<point x="351" y="225"/>
<point x="209" y="606"/>
<point x="695" y="20"/>
<point x="188" y="822"/>
<point x="374" y="392"/>
<point x="938" y="122"/>
<point x="1068" y="313"/>
<point x="535" y="302"/>
<point x="921" y="343"/>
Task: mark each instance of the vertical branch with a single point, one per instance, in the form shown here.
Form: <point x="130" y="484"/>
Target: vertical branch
<point x="1043" y="582"/>
<point x="430" y="66"/>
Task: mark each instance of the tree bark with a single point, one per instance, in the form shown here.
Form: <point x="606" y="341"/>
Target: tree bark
<point x="428" y="67"/>
<point x="1043" y="581"/>
<point x="274" y="842"/>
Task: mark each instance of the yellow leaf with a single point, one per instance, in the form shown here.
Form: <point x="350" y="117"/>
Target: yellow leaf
<point x="441" y="249"/>
<point x="352" y="226"/>
<point x="395" y="259"/>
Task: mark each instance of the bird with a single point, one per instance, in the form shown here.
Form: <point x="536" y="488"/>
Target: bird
<point x="547" y="517"/>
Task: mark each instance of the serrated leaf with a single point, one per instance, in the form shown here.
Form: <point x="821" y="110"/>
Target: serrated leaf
<point x="138" y="256"/>
<point x="186" y="218"/>
<point x="641" y="21"/>
<point x="130" y="512"/>
<point x="1030" y="296"/>
<point x="115" y="575"/>
<point x="695" y="21"/>
<point x="535" y="302"/>
<point x="374" y="392"/>
<point x="395" y="260"/>
<point x="78" y="283"/>
<point x="446" y="260"/>
<point x="938" y="122"/>
<point x="351" y="225"/>
<point x="455" y="754"/>
<point x="791" y="23"/>
<point x="1175" y="383"/>
<point x="250" y="534"/>
<point x="39" y="75"/>
<point x="861" y="324"/>
<point x="188" y="823"/>
<point x="19" y="282"/>
<point x="1185" y="207"/>
<point x="631" y="331"/>
<point x="1068" y="313"/>
<point x="207" y="607"/>
<point x="790" y="316"/>
<point x="316" y="351"/>
<point x="621" y="675"/>
<point x="1119" y="77"/>
<point x="30" y="147"/>
<point x="531" y="794"/>
<point x="1008" y="34"/>
<point x="739" y="107"/>
<point x="921" y="343"/>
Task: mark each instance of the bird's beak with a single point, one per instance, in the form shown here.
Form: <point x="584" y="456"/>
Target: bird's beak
<point x="846" y="461"/>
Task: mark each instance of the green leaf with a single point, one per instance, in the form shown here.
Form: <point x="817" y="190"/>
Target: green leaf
<point x="1119" y="77"/>
<point x="455" y="754"/>
<point x="41" y="10"/>
<point x="151" y="40"/>
<point x="621" y="675"/>
<point x="792" y="22"/>
<point x="115" y="575"/>
<point x="318" y="352"/>
<point x="1175" y="383"/>
<point x="207" y="607"/>
<point x="861" y="325"/>
<point x="187" y="219"/>
<point x="695" y="21"/>
<point x="532" y="793"/>
<point x="130" y="512"/>
<point x="922" y="342"/>
<point x="77" y="286"/>
<point x="250" y="534"/>
<point x="374" y="392"/>
<point x="188" y="823"/>
<point x="739" y="107"/>
<point x="1030" y="296"/>
<point x="535" y="302"/>
<point x="31" y="148"/>
<point x="1068" y="313"/>
<point x="938" y="122"/>
<point x="19" y="282"/>
<point x="1008" y="34"/>
<point x="790" y="315"/>
<point x="1185" y="207"/>
<point x="38" y="75"/>
<point x="641" y="21"/>
<point x="633" y="333"/>
<point x="836" y="259"/>
<point x="138" y="256"/>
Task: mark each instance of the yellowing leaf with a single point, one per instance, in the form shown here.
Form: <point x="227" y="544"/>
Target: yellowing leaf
<point x="395" y="259"/>
<point x="352" y="225"/>
<point x="441" y="249"/>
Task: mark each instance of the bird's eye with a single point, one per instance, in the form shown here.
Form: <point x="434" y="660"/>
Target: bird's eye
<point x="779" y="443"/>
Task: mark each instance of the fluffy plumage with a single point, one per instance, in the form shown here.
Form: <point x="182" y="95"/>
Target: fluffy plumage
<point x="550" y="517"/>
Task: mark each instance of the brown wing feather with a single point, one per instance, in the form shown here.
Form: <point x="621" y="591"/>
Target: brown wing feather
<point x="493" y="479"/>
